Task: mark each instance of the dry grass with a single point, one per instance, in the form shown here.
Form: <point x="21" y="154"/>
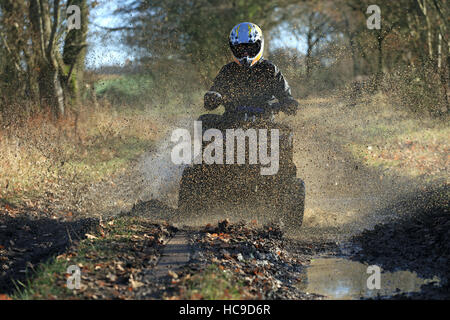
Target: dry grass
<point x="382" y="135"/>
<point x="41" y="159"/>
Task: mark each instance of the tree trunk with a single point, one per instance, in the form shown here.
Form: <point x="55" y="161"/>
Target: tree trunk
<point x="12" y="45"/>
<point x="308" y="57"/>
<point x="43" y="32"/>
<point x="59" y="76"/>
<point x="354" y="54"/>
<point x="424" y="8"/>
<point x="74" y="53"/>
<point x="50" y="90"/>
<point x="379" y="75"/>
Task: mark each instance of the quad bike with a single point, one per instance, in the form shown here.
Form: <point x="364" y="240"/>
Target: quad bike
<point x="281" y="196"/>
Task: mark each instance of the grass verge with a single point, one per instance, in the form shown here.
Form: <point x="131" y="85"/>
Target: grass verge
<point x="380" y="135"/>
<point x="108" y="261"/>
<point x="42" y="160"/>
<point x="213" y="283"/>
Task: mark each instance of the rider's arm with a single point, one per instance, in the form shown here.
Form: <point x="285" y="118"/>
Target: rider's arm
<point x="282" y="92"/>
<point x="214" y="97"/>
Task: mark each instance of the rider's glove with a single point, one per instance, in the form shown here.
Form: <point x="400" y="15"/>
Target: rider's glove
<point x="212" y="100"/>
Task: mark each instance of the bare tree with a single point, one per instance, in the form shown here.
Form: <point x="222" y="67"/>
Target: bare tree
<point x="311" y="25"/>
<point x="44" y="24"/>
<point x="31" y="33"/>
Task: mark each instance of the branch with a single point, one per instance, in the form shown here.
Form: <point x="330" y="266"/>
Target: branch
<point x="423" y="7"/>
<point x="382" y="34"/>
<point x="443" y="27"/>
<point x="54" y="27"/>
<point x="439" y="10"/>
<point x="114" y="29"/>
<point x="319" y="27"/>
<point x="16" y="65"/>
<point x="70" y="72"/>
<point x="41" y="28"/>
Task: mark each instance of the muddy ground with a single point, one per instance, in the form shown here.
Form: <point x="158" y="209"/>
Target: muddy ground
<point x="29" y="238"/>
<point x="352" y="212"/>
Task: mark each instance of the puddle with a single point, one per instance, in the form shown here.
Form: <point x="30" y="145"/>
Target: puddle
<point x="338" y="278"/>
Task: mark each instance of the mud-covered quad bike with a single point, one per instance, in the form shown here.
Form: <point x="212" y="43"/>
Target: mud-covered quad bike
<point x="280" y="197"/>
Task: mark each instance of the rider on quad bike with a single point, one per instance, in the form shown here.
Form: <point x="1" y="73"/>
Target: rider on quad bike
<point x="248" y="89"/>
<point x="248" y="81"/>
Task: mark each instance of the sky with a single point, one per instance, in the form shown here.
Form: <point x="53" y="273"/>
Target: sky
<point x="111" y="52"/>
<point x="106" y="51"/>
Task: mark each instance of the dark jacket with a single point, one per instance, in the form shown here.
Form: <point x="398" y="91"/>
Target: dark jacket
<point x="255" y="86"/>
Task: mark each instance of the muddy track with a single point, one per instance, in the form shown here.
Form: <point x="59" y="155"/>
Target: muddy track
<point x="258" y="257"/>
<point x="28" y="240"/>
<point x="343" y="198"/>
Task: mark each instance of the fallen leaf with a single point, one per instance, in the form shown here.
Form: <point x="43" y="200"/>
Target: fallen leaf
<point x="172" y="274"/>
<point x="98" y="266"/>
<point x="111" y="277"/>
<point x="135" y="284"/>
<point x="119" y="266"/>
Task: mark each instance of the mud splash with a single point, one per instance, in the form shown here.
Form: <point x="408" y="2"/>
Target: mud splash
<point x="161" y="176"/>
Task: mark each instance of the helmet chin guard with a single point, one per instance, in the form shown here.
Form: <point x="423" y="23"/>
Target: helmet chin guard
<point x="246" y="44"/>
<point x="246" y="62"/>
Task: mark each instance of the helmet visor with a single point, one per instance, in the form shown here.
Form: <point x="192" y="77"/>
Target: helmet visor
<point x="250" y="50"/>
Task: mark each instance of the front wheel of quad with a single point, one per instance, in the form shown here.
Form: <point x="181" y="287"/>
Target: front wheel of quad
<point x="293" y="204"/>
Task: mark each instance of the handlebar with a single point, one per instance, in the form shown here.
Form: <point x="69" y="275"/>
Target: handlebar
<point x="213" y="99"/>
